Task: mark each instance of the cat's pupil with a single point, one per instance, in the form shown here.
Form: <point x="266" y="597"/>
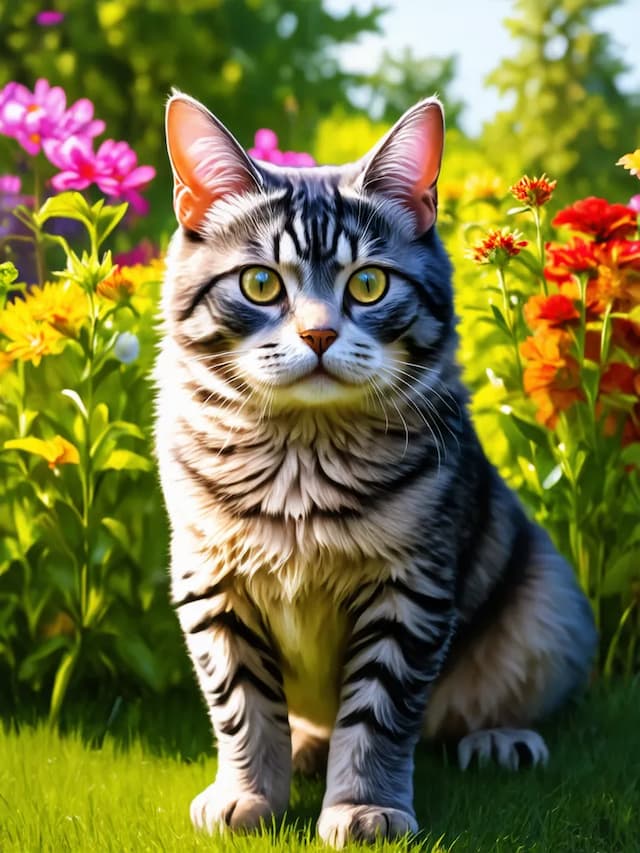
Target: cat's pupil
<point x="262" y="278"/>
<point x="367" y="279"/>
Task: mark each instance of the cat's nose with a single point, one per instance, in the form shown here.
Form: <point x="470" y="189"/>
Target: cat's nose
<point x="319" y="339"/>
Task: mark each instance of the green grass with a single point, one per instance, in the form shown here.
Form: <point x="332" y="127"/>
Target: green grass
<point x="129" y="789"/>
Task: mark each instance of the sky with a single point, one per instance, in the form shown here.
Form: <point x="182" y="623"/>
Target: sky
<point x="473" y="30"/>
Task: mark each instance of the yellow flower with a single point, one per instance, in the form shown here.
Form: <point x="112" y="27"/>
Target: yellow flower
<point x="147" y="281"/>
<point x="62" y="304"/>
<point x="483" y="186"/>
<point x="631" y="162"/>
<point x="29" y="339"/>
<point x="56" y="450"/>
<point x="5" y="361"/>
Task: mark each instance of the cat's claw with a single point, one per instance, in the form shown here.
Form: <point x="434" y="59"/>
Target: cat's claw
<point x="510" y="748"/>
<point x="338" y="825"/>
<point x="216" y="811"/>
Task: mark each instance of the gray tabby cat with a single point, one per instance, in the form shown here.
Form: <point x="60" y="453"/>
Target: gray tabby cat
<point x="348" y="569"/>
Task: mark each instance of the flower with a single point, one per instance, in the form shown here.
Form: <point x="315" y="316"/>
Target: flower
<point x="598" y="219"/>
<point x="551" y="376"/>
<point x="127" y="347"/>
<point x="550" y="311"/>
<point x="533" y="192"/>
<point x="114" y="168"/>
<point x="10" y="184"/>
<point x="576" y="256"/>
<point x="631" y="162"/>
<point x="56" y="450"/>
<point x="620" y="378"/>
<point x="49" y="18"/>
<point x="143" y="253"/>
<point x="28" y="338"/>
<point x="634" y="203"/>
<point x="62" y="304"/>
<point x="619" y="271"/>
<point x="33" y="117"/>
<point x="116" y="286"/>
<point x="498" y="247"/>
<point x="265" y="148"/>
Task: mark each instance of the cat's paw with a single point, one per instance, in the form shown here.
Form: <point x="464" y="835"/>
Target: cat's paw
<point x="216" y="811"/>
<point x="340" y="824"/>
<point x="510" y="748"/>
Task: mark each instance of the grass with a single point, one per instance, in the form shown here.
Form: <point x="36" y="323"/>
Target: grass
<point x="128" y="789"/>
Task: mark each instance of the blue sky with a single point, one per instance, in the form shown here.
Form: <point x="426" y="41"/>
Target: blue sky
<point x="473" y="30"/>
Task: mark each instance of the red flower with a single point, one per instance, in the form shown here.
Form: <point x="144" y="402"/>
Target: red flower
<point x="534" y="192"/>
<point x="618" y="377"/>
<point x="565" y="260"/>
<point x="550" y="311"/>
<point x="498" y="247"/>
<point x="598" y="219"/>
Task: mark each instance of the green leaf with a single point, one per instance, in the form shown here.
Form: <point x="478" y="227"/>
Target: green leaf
<point x="500" y="320"/>
<point x="75" y="398"/>
<point x="134" y="651"/>
<point x="620" y="573"/>
<point x="71" y="205"/>
<point x="119" y="532"/>
<point x="119" y="460"/>
<point x="630" y="455"/>
<point x="513" y="210"/>
<point x="36" y="663"/>
<point x="107" y="219"/>
<point x="61" y="682"/>
<point x="533" y="432"/>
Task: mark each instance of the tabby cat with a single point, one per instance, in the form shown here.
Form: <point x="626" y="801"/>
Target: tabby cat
<point x="348" y="569"/>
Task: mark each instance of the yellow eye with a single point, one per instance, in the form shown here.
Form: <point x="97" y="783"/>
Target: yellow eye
<point x="260" y="285"/>
<point x="368" y="285"/>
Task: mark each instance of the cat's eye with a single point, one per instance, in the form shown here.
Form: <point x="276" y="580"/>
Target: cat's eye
<point x="368" y="285"/>
<point x="261" y="285"/>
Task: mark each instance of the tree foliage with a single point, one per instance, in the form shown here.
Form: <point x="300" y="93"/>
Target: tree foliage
<point x="568" y="116"/>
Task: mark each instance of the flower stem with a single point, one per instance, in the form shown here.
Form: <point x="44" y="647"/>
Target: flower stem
<point x="510" y="320"/>
<point x="540" y="245"/>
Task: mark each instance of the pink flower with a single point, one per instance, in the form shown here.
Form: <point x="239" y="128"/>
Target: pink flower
<point x="144" y="252"/>
<point x="49" y="18"/>
<point x="10" y="184"/>
<point x="32" y="117"/>
<point x="634" y="203"/>
<point x="76" y="160"/>
<point x="119" y="174"/>
<point x="114" y="168"/>
<point x="265" y="147"/>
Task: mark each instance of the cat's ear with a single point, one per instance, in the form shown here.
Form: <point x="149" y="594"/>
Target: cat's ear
<point x="208" y="163"/>
<point x="405" y="164"/>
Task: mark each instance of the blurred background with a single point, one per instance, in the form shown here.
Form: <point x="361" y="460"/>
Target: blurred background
<point x="529" y="85"/>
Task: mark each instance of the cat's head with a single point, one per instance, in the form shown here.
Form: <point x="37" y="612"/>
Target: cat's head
<point x="317" y="286"/>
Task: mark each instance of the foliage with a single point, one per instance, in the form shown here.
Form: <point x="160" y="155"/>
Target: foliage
<point x="255" y="63"/>
<point x="567" y="114"/>
<point x="82" y="581"/>
<point x="556" y="333"/>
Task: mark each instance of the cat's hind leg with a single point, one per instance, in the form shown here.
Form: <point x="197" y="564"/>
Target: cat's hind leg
<point x="526" y="650"/>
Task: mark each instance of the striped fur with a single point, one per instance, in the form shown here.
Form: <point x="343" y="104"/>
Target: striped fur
<point x="348" y="569"/>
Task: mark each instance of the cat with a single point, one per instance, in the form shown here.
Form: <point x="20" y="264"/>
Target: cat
<point x="348" y="569"/>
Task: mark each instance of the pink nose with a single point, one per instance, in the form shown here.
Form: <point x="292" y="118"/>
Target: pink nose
<point x="319" y="339"/>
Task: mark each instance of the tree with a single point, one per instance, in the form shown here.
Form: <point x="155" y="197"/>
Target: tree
<point x="568" y="116"/>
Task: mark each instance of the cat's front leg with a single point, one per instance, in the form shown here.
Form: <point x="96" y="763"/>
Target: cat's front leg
<point x="241" y="681"/>
<point x="396" y="649"/>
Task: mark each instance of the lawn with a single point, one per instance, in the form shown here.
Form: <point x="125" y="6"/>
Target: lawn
<point x="127" y="787"/>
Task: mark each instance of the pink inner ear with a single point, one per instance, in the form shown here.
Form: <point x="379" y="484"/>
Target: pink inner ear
<point x="406" y="166"/>
<point x="206" y="164"/>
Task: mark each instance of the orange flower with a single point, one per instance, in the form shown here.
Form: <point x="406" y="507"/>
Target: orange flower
<point x="551" y="376"/>
<point x="549" y="311"/>
<point x="56" y="450"/>
<point x="534" y="192"/>
<point x="631" y="162"/>
<point x="619" y="270"/>
<point x="620" y="378"/>
<point x="497" y="248"/>
<point x="598" y="219"/>
<point x="116" y="286"/>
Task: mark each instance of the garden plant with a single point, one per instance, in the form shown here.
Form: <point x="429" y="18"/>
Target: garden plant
<point x="548" y="296"/>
